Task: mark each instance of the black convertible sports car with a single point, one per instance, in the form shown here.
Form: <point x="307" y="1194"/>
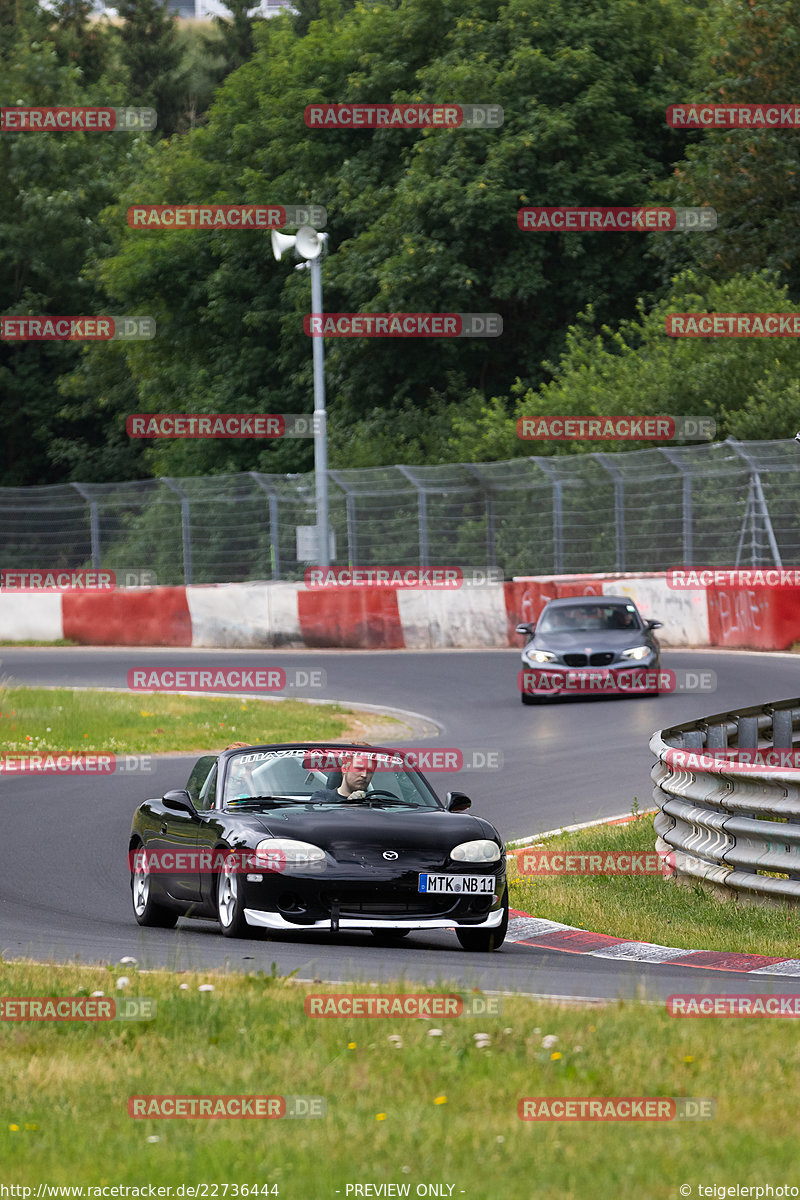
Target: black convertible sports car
<point x="306" y="836"/>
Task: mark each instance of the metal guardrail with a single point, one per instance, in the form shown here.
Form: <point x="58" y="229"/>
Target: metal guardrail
<point x="729" y="824"/>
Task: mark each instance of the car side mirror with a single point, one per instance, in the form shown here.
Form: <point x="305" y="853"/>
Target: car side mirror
<point x="458" y="802"/>
<point x="179" y="800"/>
<point x="526" y="628"/>
<point x="654" y="624"/>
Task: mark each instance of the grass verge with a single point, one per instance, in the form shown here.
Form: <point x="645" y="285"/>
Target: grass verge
<point x="63" y="720"/>
<point x="649" y="908"/>
<point x="423" y="1109"/>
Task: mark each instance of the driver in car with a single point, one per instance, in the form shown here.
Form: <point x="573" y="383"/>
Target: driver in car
<point x="356" y="777"/>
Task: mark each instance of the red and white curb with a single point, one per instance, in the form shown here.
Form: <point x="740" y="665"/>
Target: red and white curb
<point x="541" y="934"/>
<point x="527" y="930"/>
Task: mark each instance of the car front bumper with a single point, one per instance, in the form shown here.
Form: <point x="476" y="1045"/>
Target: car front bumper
<point x="614" y="680"/>
<point x="274" y="920"/>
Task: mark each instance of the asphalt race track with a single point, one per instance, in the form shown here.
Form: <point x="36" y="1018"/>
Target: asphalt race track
<point x="64" y="890"/>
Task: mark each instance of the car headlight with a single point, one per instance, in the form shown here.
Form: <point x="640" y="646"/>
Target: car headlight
<point x="279" y="853"/>
<point x="638" y="652"/>
<point x="480" y="851"/>
<point x="539" y="656"/>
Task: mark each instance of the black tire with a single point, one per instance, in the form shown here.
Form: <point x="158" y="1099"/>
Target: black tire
<point x="482" y="940"/>
<point x="388" y="936"/>
<point x="228" y="900"/>
<point x="145" y="909"/>
<point x="526" y="698"/>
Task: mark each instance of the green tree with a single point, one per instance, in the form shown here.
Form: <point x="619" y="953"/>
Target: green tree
<point x="419" y="220"/>
<point x="749" y="176"/>
<point x="152" y="58"/>
<point x="748" y="386"/>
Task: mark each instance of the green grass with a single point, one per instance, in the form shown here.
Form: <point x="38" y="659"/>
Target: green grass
<point x="428" y="1110"/>
<point x="60" y="720"/>
<point x="649" y="908"/>
<point x="38" y="642"/>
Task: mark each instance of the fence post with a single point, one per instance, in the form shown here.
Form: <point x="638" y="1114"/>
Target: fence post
<point x="488" y="500"/>
<point x="755" y="500"/>
<point x="274" y="547"/>
<point x="186" y="529"/>
<point x="94" y="524"/>
<point x="422" y="510"/>
<point x="687" y="513"/>
<point x="619" y="506"/>
<point x="350" y="518"/>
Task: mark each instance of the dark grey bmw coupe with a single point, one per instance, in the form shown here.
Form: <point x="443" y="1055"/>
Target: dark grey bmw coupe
<point x="589" y="646"/>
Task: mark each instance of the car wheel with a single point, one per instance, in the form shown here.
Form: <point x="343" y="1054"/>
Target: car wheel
<point x="230" y="908"/>
<point x="486" y="939"/>
<point x="145" y="909"/>
<point x="526" y="698"/>
<point x="387" y="936"/>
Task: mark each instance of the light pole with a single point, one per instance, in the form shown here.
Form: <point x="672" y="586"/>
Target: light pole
<point x="309" y="244"/>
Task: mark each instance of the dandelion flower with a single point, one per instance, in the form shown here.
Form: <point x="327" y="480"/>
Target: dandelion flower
<point x="689" y="1058"/>
<point x="380" y="1116"/>
<point x="555" y="1055"/>
<point x="14" y="1128"/>
<point x="440" y="1100"/>
<point x="351" y="1045"/>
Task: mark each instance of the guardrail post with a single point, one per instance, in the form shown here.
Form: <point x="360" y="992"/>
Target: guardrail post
<point x="782" y="729"/>
<point x="747" y="738"/>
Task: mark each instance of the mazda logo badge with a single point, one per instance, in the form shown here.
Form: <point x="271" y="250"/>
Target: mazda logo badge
<point x="390" y="854"/>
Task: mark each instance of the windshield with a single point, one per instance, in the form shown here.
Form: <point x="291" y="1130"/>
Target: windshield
<point x="308" y="776"/>
<point x="584" y="618"/>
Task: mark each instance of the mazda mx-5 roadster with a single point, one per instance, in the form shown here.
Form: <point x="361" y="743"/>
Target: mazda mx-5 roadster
<point x="298" y="837"/>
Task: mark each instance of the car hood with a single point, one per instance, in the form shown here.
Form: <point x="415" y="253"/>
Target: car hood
<point x="335" y="829"/>
<point x="594" y="639"/>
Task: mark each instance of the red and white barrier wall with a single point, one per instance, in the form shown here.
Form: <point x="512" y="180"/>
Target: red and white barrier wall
<point x="289" y="614"/>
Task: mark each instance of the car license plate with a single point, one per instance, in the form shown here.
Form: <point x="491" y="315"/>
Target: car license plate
<point x="473" y="885"/>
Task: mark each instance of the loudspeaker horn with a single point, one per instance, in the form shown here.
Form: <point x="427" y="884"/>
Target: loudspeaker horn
<point x="281" y="242"/>
<point x="309" y="243"/>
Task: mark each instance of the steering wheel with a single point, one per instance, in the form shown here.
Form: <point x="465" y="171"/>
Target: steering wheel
<point x="386" y="793"/>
